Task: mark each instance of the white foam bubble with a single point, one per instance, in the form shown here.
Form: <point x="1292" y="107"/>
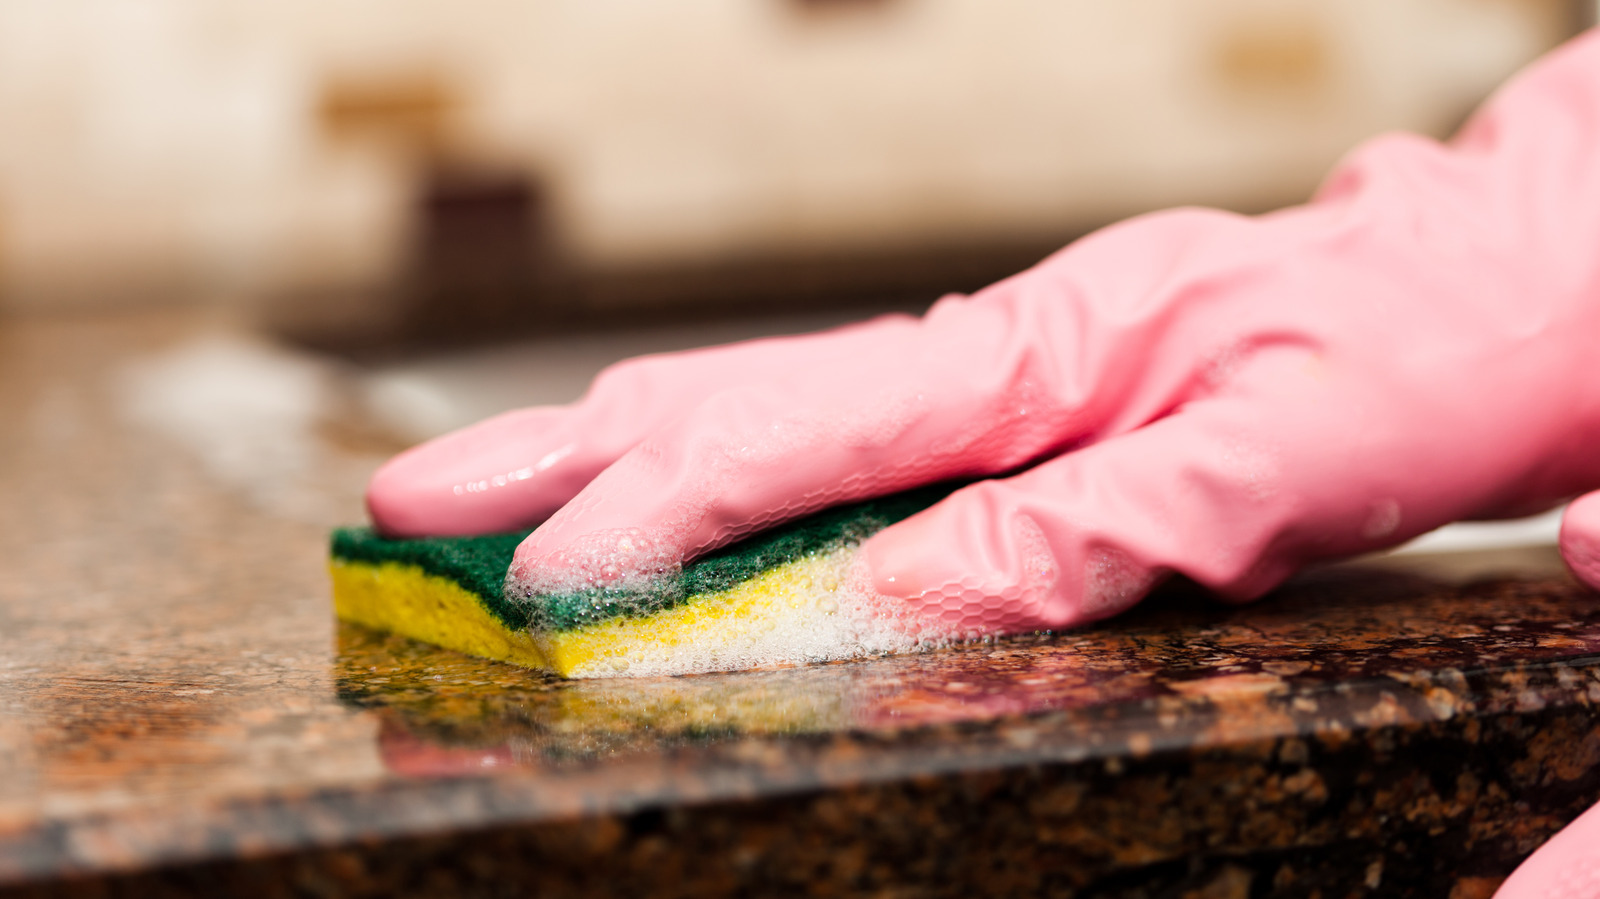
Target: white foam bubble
<point x="1383" y="519"/>
<point x="1113" y="581"/>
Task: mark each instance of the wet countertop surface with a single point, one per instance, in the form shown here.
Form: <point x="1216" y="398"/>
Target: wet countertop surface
<point x="181" y="715"/>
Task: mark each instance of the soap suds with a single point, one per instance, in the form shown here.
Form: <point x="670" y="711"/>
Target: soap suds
<point x="818" y="608"/>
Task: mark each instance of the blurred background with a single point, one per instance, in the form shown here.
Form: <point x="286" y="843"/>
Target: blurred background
<point x="273" y="243"/>
<point x="362" y="174"/>
<point x="478" y="204"/>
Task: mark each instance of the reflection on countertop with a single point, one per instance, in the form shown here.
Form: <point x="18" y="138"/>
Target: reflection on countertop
<point x="180" y="715"/>
<point x="1341" y="649"/>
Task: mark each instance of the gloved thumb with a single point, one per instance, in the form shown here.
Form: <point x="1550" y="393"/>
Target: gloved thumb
<point x="1580" y="538"/>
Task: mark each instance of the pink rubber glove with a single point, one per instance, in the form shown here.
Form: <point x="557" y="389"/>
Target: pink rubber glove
<point x="1198" y="392"/>
<point x="1195" y="392"/>
<point x="1567" y="867"/>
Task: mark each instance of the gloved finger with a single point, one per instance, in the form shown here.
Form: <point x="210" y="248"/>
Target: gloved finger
<point x="1234" y="491"/>
<point x="1102" y="338"/>
<point x="1567" y="867"/>
<point x="1580" y="538"/>
<point x="513" y="470"/>
<point x="966" y="392"/>
<point x="1087" y="535"/>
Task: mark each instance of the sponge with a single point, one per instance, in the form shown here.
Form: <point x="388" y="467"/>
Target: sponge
<point x="790" y="595"/>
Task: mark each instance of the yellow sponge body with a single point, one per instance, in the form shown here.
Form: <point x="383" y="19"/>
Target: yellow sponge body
<point x="731" y="620"/>
<point x="407" y="600"/>
<point x="402" y="598"/>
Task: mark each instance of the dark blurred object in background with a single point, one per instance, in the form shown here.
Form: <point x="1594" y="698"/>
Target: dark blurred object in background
<point x="482" y="257"/>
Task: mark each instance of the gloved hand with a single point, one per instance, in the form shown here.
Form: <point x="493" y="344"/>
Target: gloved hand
<point x="1194" y="392"/>
<point x="1197" y="392"/>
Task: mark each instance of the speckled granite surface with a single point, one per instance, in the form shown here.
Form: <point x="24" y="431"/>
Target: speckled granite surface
<point x="179" y="714"/>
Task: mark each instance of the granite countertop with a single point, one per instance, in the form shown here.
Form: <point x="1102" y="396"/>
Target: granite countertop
<point x="180" y="714"/>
